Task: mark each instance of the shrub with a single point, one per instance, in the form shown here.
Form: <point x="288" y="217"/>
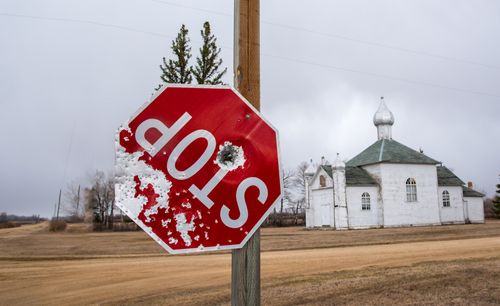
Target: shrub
<point x="74" y="219"/>
<point x="9" y="224"/>
<point x="125" y="227"/>
<point x="117" y="227"/>
<point x="57" y="225"/>
<point x="284" y="219"/>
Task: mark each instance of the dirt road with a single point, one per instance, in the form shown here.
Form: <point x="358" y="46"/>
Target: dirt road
<point x="204" y="279"/>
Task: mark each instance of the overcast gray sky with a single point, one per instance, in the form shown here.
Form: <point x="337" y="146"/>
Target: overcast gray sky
<point x="72" y="71"/>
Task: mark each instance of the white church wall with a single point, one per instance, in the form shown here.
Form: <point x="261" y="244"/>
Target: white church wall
<point x="397" y="210"/>
<point x="321" y="201"/>
<point x="475" y="209"/>
<point x="359" y="218"/>
<point x="321" y="207"/>
<point x="376" y="174"/>
<point x="340" y="216"/>
<point x="310" y="217"/>
<point x="309" y="209"/>
<point x="455" y="212"/>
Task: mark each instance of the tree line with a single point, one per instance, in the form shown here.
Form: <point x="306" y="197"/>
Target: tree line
<point x="96" y="203"/>
<point x="4" y="217"/>
<point x="496" y="202"/>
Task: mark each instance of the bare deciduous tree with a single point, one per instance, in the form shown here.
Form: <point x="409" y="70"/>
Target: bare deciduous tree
<point x="100" y="200"/>
<point x="73" y="204"/>
<point x="299" y="184"/>
<point x="293" y="199"/>
<point x="297" y="188"/>
<point x="3" y="217"/>
<point x="287" y="192"/>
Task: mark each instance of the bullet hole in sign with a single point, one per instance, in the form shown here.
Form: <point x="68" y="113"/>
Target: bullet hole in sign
<point x="230" y="156"/>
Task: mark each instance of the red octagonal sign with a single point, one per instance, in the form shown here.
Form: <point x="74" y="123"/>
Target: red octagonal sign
<point x="197" y="168"/>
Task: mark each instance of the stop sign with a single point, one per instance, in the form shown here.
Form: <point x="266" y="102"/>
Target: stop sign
<point x="197" y="168"/>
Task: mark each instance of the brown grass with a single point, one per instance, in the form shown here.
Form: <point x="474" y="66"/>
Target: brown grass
<point x="9" y="224"/>
<point x="457" y="265"/>
<point x="458" y="282"/>
<point x="57" y="225"/>
<point x="30" y="241"/>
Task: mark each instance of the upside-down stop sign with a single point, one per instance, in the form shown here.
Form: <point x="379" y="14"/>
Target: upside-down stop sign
<point x="197" y="168"/>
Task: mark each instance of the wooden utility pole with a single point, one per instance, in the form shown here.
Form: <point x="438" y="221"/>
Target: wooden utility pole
<point x="78" y="202"/>
<point x="247" y="50"/>
<point x="245" y="273"/>
<point x="58" y="204"/>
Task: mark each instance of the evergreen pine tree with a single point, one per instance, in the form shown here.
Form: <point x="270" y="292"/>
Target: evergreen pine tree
<point x="208" y="63"/>
<point x="177" y="70"/>
<point x="496" y="202"/>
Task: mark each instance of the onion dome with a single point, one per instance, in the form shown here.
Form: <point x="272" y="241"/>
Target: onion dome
<point x="383" y="116"/>
<point x="310" y="169"/>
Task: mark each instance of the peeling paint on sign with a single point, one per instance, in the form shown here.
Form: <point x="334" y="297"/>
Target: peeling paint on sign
<point x="144" y="192"/>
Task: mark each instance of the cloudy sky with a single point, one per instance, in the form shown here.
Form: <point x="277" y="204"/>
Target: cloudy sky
<point x="72" y="71"/>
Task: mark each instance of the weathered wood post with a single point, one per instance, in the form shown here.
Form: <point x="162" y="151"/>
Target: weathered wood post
<point x="245" y="273"/>
<point x="58" y="205"/>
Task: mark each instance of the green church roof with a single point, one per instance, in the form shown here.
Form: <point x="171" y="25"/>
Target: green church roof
<point x="389" y="151"/>
<point x="328" y="170"/>
<point x="468" y="192"/>
<point x="355" y="176"/>
<point x="447" y="178"/>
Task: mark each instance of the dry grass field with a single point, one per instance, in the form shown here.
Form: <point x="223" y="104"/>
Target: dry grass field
<point x="445" y="265"/>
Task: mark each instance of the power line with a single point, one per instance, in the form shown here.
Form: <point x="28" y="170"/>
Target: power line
<point x="193" y="8"/>
<point x="371" y="43"/>
<point x="381" y="45"/>
<point x="342" y="37"/>
<point x="95" y="23"/>
<point x="289" y="59"/>
<point x="373" y="74"/>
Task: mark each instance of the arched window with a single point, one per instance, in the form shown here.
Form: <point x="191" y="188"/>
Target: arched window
<point x="446" y="198"/>
<point x="411" y="190"/>
<point x="365" y="201"/>
<point x="322" y="181"/>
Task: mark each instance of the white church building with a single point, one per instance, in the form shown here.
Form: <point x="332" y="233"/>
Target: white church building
<point x="388" y="185"/>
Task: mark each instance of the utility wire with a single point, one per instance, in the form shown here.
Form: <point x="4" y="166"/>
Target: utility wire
<point x="377" y="75"/>
<point x="381" y="45"/>
<point x="335" y="36"/>
<point x="289" y="59"/>
<point x="71" y="20"/>
<point x="193" y="8"/>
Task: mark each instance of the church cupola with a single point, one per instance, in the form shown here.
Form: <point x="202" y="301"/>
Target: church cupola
<point x="338" y="164"/>
<point x="339" y="194"/>
<point x="310" y="170"/>
<point x="383" y="120"/>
